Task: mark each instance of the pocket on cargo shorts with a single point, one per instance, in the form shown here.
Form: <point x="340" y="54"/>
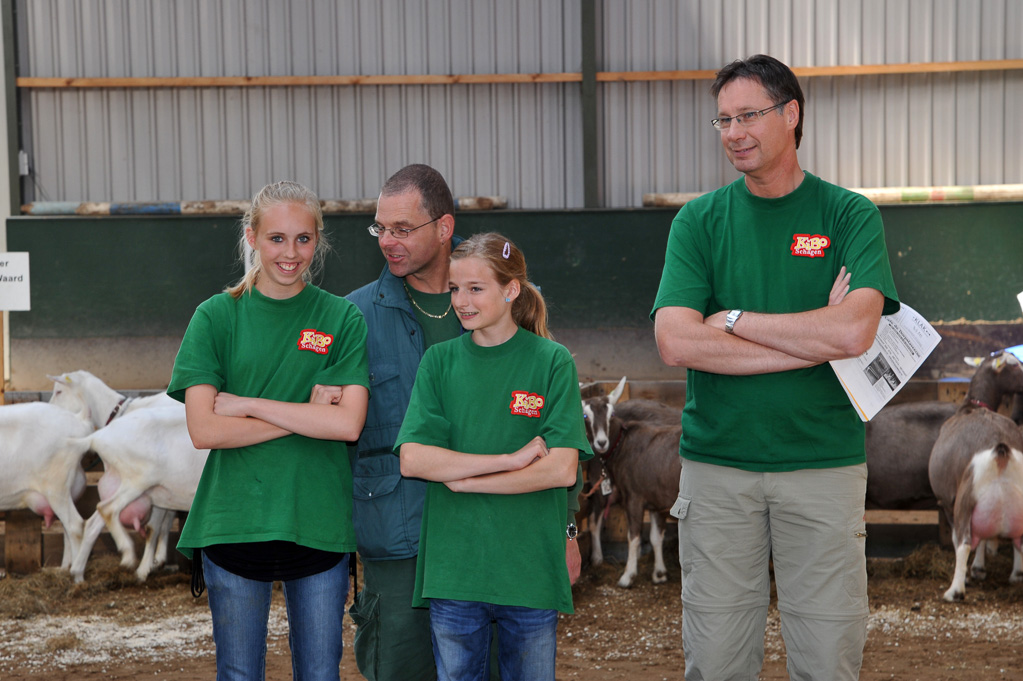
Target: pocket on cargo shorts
<point x="365" y="612"/>
<point x="680" y="508"/>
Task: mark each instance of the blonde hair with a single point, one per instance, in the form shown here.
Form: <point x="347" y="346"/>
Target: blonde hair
<point x="267" y="197"/>
<point x="508" y="264"/>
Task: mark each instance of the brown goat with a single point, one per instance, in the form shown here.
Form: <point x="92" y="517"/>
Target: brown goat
<point x="636" y="449"/>
<point x="899" y="441"/>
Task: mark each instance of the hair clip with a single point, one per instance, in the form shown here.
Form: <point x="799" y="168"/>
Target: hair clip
<point x="506" y="252"/>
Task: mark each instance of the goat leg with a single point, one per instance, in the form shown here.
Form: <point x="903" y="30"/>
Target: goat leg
<point x="1017" y="563"/>
<point x="660" y="575"/>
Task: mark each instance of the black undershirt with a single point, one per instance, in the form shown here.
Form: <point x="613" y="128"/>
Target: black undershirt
<point x="270" y="561"/>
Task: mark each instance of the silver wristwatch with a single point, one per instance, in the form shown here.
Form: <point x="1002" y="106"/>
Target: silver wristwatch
<point x="730" y="319"/>
<point x="571" y="531"/>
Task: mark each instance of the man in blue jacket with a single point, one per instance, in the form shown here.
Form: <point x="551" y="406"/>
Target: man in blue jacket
<point x="407" y="309"/>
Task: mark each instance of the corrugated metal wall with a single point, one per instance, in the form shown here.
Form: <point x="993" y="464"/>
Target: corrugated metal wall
<point x="866" y="131"/>
<point x="215" y="143"/>
<point x="520" y="141"/>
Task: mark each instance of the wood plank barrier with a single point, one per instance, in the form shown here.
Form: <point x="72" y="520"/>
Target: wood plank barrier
<point x="502" y="78"/>
<point x="889" y="533"/>
<point x="23" y="542"/>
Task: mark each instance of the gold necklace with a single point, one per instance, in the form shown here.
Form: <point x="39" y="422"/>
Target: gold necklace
<point x="431" y="316"/>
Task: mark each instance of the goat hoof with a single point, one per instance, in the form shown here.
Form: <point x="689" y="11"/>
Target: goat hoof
<point x="596" y="560"/>
<point x="660" y="577"/>
<point x="978" y="574"/>
<point x="1016" y="578"/>
<point x="625" y="582"/>
<point x="952" y="596"/>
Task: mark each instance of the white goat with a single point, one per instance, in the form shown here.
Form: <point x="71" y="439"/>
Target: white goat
<point x="151" y="470"/>
<point x="976" y="472"/>
<point x="150" y="467"/>
<point x="40" y="455"/>
<point x="77" y="390"/>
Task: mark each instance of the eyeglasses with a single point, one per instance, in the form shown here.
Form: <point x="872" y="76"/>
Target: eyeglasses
<point x="745" y="119"/>
<point x="397" y="232"/>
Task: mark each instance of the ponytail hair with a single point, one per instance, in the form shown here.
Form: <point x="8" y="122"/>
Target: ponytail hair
<point x="529" y="310"/>
<point x="266" y="198"/>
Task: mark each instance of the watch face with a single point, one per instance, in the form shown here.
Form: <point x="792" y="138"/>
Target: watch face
<point x="572" y="531"/>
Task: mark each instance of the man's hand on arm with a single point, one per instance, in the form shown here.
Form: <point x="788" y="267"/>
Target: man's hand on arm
<point x="838" y="331"/>
<point x="767" y="343"/>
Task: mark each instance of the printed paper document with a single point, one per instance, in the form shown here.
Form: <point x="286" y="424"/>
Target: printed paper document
<point x="903" y="342"/>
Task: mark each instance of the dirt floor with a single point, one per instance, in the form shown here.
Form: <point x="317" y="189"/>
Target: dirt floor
<point x="111" y="628"/>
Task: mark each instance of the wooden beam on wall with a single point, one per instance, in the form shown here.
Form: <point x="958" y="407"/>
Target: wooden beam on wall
<point x="504" y="78"/>
<point x="830" y="71"/>
<point x="298" y="81"/>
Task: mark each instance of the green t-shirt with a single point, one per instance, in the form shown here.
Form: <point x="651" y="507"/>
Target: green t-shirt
<point x="506" y="549"/>
<point x="439" y="305"/>
<point x="732" y="250"/>
<point x="294" y="488"/>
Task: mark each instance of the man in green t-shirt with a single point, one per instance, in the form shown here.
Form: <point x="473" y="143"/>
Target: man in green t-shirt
<point x="765" y="281"/>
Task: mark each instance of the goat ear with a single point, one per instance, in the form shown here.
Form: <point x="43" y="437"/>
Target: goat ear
<point x="973" y="361"/>
<point x="617" y="392"/>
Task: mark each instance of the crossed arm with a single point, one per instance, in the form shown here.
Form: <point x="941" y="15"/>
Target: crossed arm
<point x="224" y="421"/>
<point x="533" y="467"/>
<point x="766" y="343"/>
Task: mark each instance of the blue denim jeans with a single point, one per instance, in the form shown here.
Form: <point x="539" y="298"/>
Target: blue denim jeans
<point x="241" y="609"/>
<point x="461" y="641"/>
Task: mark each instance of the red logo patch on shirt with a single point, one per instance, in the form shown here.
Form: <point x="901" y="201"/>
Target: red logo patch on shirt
<point x="311" y="339"/>
<point x="809" y="245"/>
<point x="526" y="404"/>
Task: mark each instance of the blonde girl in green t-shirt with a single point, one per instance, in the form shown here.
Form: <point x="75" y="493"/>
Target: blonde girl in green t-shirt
<point x="512" y="392"/>
<point x="273" y="376"/>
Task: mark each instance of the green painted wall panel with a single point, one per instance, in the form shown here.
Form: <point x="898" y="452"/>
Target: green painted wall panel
<point x="143" y="276"/>
<point x="958" y="261"/>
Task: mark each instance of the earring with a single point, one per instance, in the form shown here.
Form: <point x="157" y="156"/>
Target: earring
<point x="507" y="300"/>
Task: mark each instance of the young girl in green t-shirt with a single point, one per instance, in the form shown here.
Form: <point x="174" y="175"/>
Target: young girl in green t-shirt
<point x="273" y="374"/>
<point x="495" y="423"/>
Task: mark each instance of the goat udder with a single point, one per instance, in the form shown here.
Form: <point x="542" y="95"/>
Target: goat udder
<point x="37" y="504"/>
<point x="136" y="513"/>
<point x="998" y="515"/>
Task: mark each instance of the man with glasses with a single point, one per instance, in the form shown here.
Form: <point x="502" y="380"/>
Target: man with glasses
<point x="765" y="281"/>
<point x="407" y="309"/>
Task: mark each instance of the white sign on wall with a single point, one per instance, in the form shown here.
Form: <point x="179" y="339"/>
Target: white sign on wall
<point x="14" y="289"/>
